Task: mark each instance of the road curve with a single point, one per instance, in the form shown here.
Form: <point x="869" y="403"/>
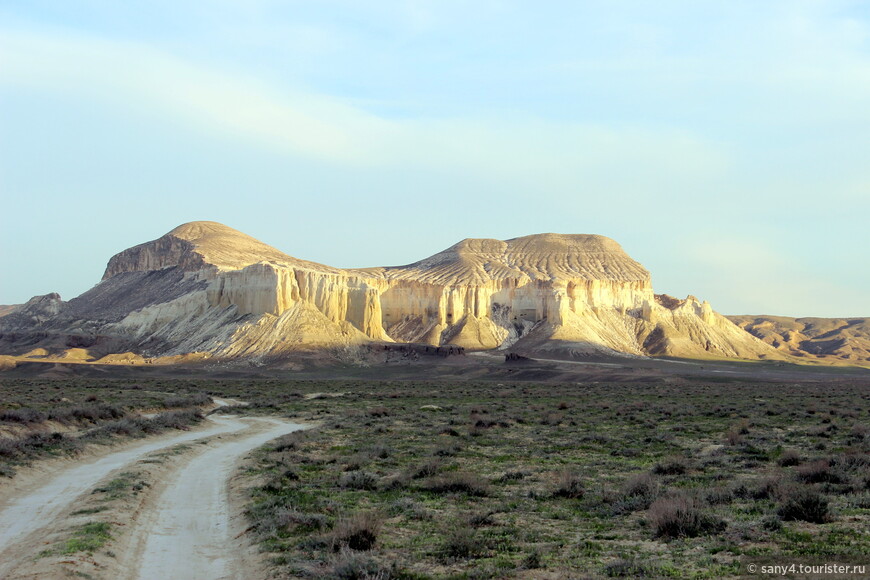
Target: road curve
<point x="187" y="535"/>
<point x="29" y="514"/>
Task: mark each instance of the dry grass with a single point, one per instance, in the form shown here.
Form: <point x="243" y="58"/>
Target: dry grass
<point x="494" y="485"/>
<point x="358" y="532"/>
<point x="484" y="480"/>
<point x="682" y="515"/>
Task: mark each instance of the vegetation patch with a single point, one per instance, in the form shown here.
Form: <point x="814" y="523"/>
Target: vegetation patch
<point x="652" y="478"/>
<point x="90" y="411"/>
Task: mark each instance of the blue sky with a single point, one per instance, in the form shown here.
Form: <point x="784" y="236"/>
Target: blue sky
<point x="724" y="144"/>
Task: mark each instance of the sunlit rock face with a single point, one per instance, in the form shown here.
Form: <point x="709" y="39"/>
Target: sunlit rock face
<point x="205" y="287"/>
<point x="832" y="340"/>
<point x="484" y="294"/>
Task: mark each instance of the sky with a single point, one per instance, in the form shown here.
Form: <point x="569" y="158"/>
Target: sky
<point x="724" y="144"/>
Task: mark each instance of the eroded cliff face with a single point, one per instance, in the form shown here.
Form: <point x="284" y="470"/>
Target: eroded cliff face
<point x="166" y="252"/>
<point x="691" y="328"/>
<point x="207" y="288"/>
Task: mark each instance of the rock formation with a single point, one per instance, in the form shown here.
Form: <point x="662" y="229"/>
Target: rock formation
<point x="207" y="288"/>
<point x="8" y="309"/>
<point x="828" y="339"/>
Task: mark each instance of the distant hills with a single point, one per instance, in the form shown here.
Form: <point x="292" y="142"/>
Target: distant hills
<point x="207" y="290"/>
<point x="828" y="339"/>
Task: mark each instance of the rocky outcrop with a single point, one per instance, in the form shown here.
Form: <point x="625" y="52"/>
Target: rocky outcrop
<point x="691" y="328"/>
<point x="827" y="339"/>
<point x="37" y="310"/>
<point x="198" y="246"/>
<point x="204" y="287"/>
<point x="8" y="309"/>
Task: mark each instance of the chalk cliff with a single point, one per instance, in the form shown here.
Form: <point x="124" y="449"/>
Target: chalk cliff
<point x="205" y="287"/>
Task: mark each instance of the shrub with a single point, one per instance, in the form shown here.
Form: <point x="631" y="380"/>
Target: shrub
<point x="680" y="516"/>
<point x="803" y="503"/>
<point x="819" y="472"/>
<point x="789" y="458"/>
<point x="513" y="475"/>
<point x="356" y="462"/>
<point x="427" y="469"/>
<point x="9" y="447"/>
<point x="629" y="568"/>
<point x="91" y="413"/>
<point x="133" y="426"/>
<point x="25" y="415"/>
<point x="177" y="419"/>
<point x="89" y="538"/>
<point x="859" y="432"/>
<point x="479" y="519"/>
<point x="288" y="442"/>
<point x="138" y="426"/>
<point x="358" y="532"/>
<point x="771" y="523"/>
<point x="734" y="437"/>
<point x="457" y="483"/>
<point x="719" y="495"/>
<point x="643" y="486"/>
<point x="447" y="450"/>
<point x="194" y="400"/>
<point x="349" y="565"/>
<point x="552" y="419"/>
<point x="395" y="481"/>
<point x="569" y="485"/>
<point x="532" y="561"/>
<point x="461" y="543"/>
<point x="288" y="518"/>
<point x="358" y="480"/>
<point x="671" y="466"/>
<point x="767" y="487"/>
<point x="379" y="451"/>
<point x="37" y="443"/>
<point x="852" y="460"/>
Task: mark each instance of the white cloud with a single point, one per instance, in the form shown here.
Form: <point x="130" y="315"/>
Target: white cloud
<point x="135" y="76"/>
<point x="234" y="106"/>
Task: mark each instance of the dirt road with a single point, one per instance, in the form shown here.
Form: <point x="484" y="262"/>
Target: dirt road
<point x="189" y="535"/>
<point x="183" y="527"/>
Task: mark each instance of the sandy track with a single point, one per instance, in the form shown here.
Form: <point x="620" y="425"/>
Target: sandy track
<point x="188" y="534"/>
<point x="40" y="505"/>
<point x="35" y="510"/>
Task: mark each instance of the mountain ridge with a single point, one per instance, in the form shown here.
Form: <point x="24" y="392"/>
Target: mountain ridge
<point x="206" y="288"/>
<point x="831" y="339"/>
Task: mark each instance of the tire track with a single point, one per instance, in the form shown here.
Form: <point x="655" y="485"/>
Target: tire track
<point x="188" y="534"/>
<point x="41" y="508"/>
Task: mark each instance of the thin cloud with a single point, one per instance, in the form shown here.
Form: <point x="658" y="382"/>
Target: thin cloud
<point x="751" y="271"/>
<point x="316" y="125"/>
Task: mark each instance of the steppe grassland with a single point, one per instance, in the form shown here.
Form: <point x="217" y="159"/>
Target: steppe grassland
<point x="462" y="480"/>
<point x="487" y="480"/>
<point x="46" y="418"/>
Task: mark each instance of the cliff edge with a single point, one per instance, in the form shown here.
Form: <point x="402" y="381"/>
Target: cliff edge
<point x="207" y="288"/>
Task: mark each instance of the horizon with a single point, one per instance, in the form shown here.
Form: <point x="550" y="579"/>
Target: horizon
<point x="443" y="249"/>
<point x="722" y="146"/>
